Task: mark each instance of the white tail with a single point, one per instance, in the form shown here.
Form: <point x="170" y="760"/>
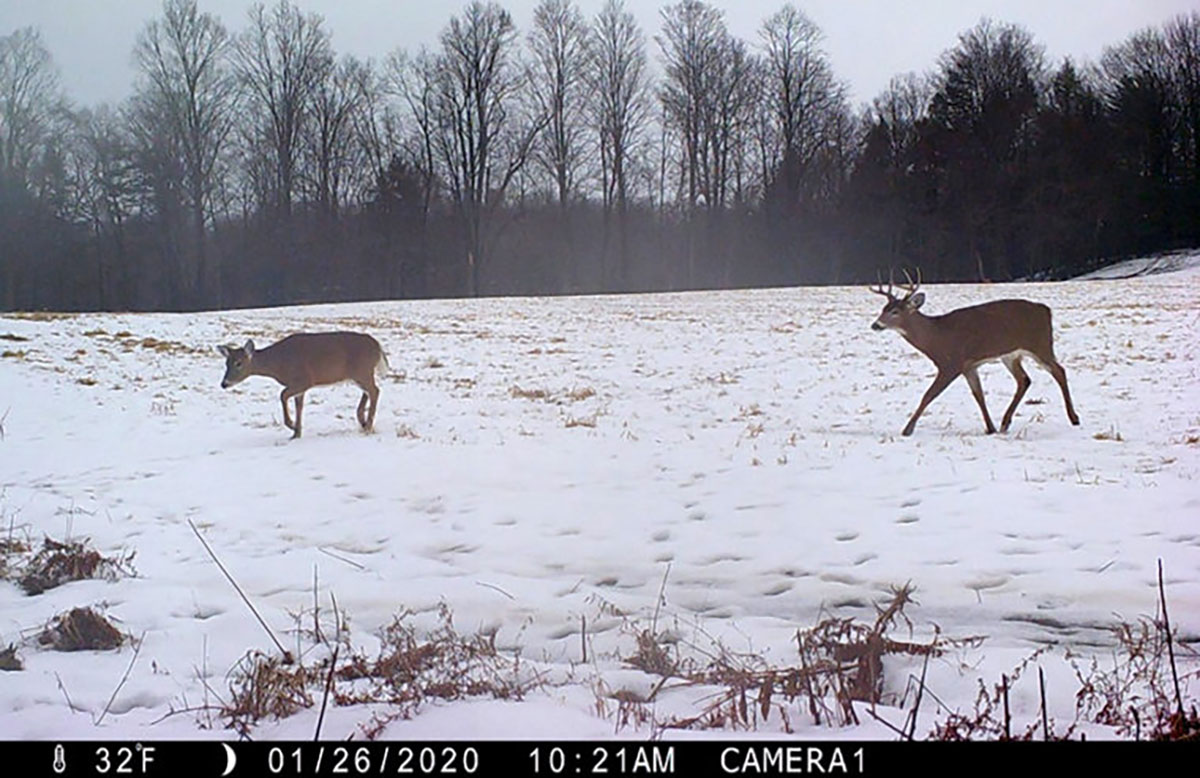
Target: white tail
<point x="305" y="360"/>
<point x="959" y="341"/>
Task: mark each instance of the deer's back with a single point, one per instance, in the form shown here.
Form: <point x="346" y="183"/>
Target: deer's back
<point x="317" y="358"/>
<point x="988" y="331"/>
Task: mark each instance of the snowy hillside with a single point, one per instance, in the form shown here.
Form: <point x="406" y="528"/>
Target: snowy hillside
<point x="724" y="468"/>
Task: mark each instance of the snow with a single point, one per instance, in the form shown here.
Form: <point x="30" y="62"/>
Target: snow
<point x="727" y="465"/>
<point x="1168" y="262"/>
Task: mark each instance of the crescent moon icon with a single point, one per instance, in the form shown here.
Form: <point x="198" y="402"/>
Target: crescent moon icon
<point x="230" y="759"/>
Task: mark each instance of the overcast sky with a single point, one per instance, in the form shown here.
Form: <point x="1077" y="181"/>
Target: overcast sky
<point x="868" y="41"/>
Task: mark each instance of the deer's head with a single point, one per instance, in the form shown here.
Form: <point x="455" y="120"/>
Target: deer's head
<point x="898" y="308"/>
<point x="237" y="363"/>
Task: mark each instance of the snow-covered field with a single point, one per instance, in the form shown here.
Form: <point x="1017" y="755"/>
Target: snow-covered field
<point x="538" y="462"/>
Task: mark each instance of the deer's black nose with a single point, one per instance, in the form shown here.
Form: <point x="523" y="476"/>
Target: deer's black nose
<point x="876" y="325"/>
<point x="224" y="384"/>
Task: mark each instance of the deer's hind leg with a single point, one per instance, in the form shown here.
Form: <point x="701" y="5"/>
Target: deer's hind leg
<point x="1051" y="365"/>
<point x="1013" y="363"/>
<point x="1060" y="375"/>
<point x="299" y="411"/>
<point x="370" y="396"/>
<point x="287" y="394"/>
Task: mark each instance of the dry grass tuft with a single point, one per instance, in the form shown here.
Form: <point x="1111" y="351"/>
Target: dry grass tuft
<point x="839" y="664"/>
<point x="12" y="545"/>
<point x="444" y="665"/>
<point x="81" y="629"/>
<point x="59" y="563"/>
<point x="839" y="676"/>
<point x="1109" y="434"/>
<point x="409" y="670"/>
<point x="585" y="421"/>
<point x="14" y="338"/>
<point x="162" y="346"/>
<point x="990" y="719"/>
<point x="262" y="686"/>
<point x="656" y="655"/>
<point x="39" y="316"/>
<point x="129" y="342"/>
<point x="516" y="392"/>
<point x="578" y="394"/>
<point x="11" y="354"/>
<point x="9" y="661"/>
<point x="1138" y="696"/>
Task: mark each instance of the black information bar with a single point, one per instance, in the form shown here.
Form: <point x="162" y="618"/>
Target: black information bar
<point x="567" y="758"/>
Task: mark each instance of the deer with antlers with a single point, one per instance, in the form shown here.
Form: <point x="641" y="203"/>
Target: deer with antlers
<point x="960" y="341"/>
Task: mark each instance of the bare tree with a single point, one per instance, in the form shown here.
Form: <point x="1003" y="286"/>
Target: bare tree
<point x="727" y="125"/>
<point x="484" y="132"/>
<point x="806" y="103"/>
<point x="185" y="83"/>
<point x="30" y="97"/>
<point x="708" y="99"/>
<point x="558" y="43"/>
<point x="620" y="91"/>
<point x="282" y="58"/>
<point x="416" y="79"/>
<point x="338" y="97"/>
<point x="690" y="42"/>
<point x="898" y="112"/>
<point x="109" y="190"/>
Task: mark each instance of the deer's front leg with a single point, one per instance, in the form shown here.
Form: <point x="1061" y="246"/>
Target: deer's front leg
<point x="943" y="379"/>
<point x="284" y="396"/>
<point x="977" y="389"/>
<point x="299" y="410"/>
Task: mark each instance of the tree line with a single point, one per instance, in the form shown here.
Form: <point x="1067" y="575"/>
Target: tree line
<point x="261" y="168"/>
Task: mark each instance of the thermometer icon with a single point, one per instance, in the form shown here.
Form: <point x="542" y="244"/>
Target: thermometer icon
<point x="60" y="759"/>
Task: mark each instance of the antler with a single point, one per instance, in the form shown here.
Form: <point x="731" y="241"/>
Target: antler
<point x="879" y="288"/>
<point x="911" y="287"/>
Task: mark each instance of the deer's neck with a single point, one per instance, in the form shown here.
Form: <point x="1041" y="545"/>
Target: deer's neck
<point x="922" y="332"/>
<point x="265" y="363"/>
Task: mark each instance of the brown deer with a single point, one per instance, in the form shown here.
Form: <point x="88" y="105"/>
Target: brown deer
<point x="960" y="341"/>
<point x="305" y="360"/>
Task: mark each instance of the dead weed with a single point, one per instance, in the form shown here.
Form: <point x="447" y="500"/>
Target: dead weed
<point x="58" y="563"/>
<point x="81" y="629"/>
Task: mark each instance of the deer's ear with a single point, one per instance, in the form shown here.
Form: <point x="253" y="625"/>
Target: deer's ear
<point x="249" y="348"/>
<point x="917" y="300"/>
<point x="224" y="351"/>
